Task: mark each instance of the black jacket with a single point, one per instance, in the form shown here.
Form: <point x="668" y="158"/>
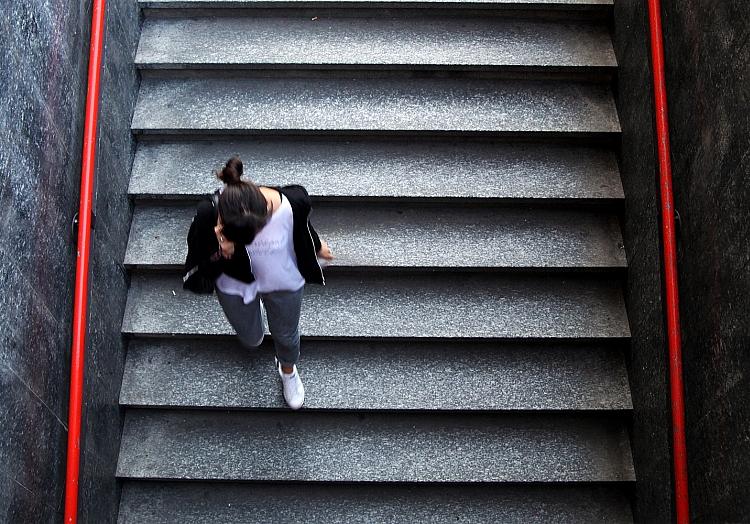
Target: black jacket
<point x="203" y="252"/>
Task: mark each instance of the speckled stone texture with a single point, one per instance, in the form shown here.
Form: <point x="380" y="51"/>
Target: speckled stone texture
<point x="651" y="436"/>
<point x="384" y="169"/>
<point x="465" y="376"/>
<point x="300" y="41"/>
<point x="707" y="77"/>
<point x="41" y="73"/>
<point x="417" y="237"/>
<point x="473" y="325"/>
<point x="289" y="105"/>
<point x="108" y="281"/>
<point x="233" y="503"/>
<point x="377" y="305"/>
<point x="547" y="4"/>
<point x="343" y="447"/>
<point x="42" y="88"/>
<point x="706" y="64"/>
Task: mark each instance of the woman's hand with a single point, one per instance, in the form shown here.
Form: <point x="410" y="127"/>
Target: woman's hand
<point x="225" y="246"/>
<point x="325" y="252"/>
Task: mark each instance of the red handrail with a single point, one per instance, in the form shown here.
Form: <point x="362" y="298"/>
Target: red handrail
<point x="679" y="448"/>
<point x="80" y="305"/>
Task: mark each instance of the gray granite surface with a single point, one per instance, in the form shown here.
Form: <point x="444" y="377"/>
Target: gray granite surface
<point x="413" y="237"/>
<point x="570" y="4"/>
<point x="651" y="436"/>
<point x="354" y="375"/>
<point x="41" y="92"/>
<point x="32" y="435"/>
<point x="708" y="48"/>
<point x="401" y="367"/>
<point x="343" y="447"/>
<point x="410" y="306"/>
<point x="406" y="168"/>
<point x="301" y="41"/>
<point x="293" y="105"/>
<point x="108" y="281"/>
<point x="235" y="503"/>
<point x="41" y="102"/>
<point x="43" y="67"/>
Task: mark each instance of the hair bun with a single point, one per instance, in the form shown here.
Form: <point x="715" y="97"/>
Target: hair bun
<point x="231" y="173"/>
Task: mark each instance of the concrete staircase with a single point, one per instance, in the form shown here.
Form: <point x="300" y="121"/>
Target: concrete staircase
<point x="466" y="361"/>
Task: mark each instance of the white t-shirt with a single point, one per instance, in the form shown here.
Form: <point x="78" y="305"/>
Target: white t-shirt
<point x="272" y="259"/>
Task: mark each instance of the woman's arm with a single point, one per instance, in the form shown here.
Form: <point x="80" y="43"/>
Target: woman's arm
<point x="325" y="252"/>
<point x="321" y="246"/>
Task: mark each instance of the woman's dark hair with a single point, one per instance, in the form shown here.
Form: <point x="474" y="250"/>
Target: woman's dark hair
<point x="231" y="173"/>
<point x="242" y="207"/>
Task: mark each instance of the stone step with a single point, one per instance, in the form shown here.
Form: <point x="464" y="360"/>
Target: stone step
<point x="300" y="42"/>
<point x="376" y="106"/>
<point x="360" y="169"/>
<point x="386" y="376"/>
<point x="411" y="306"/>
<point x="375" y="447"/>
<point x="567" y="5"/>
<point x="243" y="503"/>
<point x="392" y="237"/>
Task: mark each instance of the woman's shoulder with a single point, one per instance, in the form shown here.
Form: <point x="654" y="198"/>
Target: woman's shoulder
<point x="294" y="189"/>
<point x="296" y="194"/>
<point x="206" y="208"/>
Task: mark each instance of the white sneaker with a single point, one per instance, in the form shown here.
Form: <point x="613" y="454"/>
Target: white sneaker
<point x="294" y="391"/>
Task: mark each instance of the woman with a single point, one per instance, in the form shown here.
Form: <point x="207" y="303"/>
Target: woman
<point x="269" y="251"/>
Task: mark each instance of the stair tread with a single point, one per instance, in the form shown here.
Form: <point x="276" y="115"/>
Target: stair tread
<point x="383" y="169"/>
<point x="344" y="106"/>
<point x="437" y="386"/>
<point x="499" y="4"/>
<point x="405" y="306"/>
<point x="472" y="377"/>
<point x="234" y="503"/>
<point x="375" y="447"/>
<point x="419" y="237"/>
<point x="299" y="41"/>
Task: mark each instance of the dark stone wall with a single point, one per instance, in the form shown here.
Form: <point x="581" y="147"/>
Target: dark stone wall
<point x="650" y="432"/>
<point x="42" y="73"/>
<point x="102" y="423"/>
<point x="707" y="62"/>
<point x="42" y="95"/>
<point x="707" y="45"/>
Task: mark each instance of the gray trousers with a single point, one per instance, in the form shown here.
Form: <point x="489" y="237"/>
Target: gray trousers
<point x="282" y="309"/>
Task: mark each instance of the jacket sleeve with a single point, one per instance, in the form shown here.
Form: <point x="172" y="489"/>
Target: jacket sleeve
<point x="314" y="235"/>
<point x="213" y="266"/>
<point x="299" y="194"/>
<point x="207" y="256"/>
